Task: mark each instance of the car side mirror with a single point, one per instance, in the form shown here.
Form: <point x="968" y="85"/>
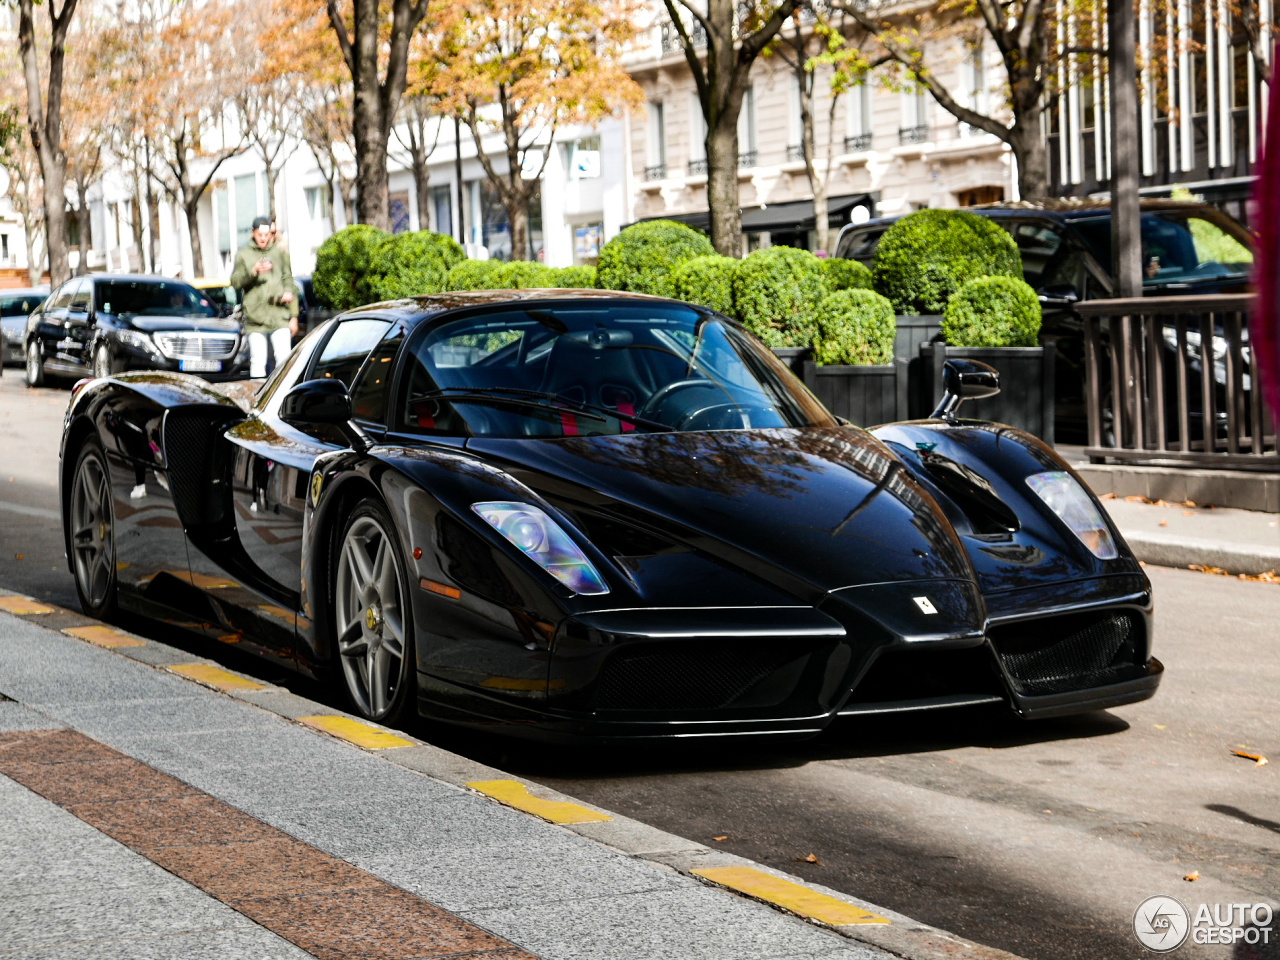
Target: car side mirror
<point x="323" y="401"/>
<point x="965" y="380"/>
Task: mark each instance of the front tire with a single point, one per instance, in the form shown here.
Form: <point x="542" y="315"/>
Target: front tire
<point x="373" y="616"/>
<point x="35" y="366"/>
<point x="104" y="364"/>
<point x="91" y="518"/>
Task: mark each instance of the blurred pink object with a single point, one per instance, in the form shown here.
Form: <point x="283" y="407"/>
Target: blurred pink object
<point x="1264" y="322"/>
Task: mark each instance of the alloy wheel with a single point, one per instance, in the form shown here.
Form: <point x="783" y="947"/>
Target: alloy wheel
<point x="92" y="531"/>
<point x="35" y="369"/>
<point x="102" y="361"/>
<point x="370" y="609"/>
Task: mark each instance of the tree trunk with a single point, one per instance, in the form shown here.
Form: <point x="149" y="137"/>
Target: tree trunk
<point x="192" y="210"/>
<point x="153" y="210"/>
<point x="82" y="223"/>
<point x="518" y="218"/>
<point x="135" y="224"/>
<point x="1033" y="161"/>
<point x="29" y="236"/>
<point x="722" y="186"/>
<point x="421" y="186"/>
<point x="367" y="126"/>
<point x="44" y="123"/>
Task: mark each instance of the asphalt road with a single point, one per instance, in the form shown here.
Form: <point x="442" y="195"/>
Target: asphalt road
<point x="1038" y="838"/>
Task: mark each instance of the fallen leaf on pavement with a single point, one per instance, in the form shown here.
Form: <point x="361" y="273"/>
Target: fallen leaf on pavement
<point x="809" y="859"/>
<point x="1258" y="759"/>
<point x="725" y="837"/>
<point x="1161" y="726"/>
<point x="17" y="556"/>
<point x="1268" y="577"/>
<point x="1136" y="499"/>
<point x="1216" y="571"/>
<point x="1164" y="523"/>
<point x="1107" y="496"/>
<point x="1188" y="503"/>
<point x="1188" y="513"/>
<point x="1193" y="876"/>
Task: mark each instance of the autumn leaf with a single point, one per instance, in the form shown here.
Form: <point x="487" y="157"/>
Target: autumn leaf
<point x="809" y="859"/>
<point x="1258" y="759"/>
<point x="1193" y="876"/>
<point x="725" y="837"/>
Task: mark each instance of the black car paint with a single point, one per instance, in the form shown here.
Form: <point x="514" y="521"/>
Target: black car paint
<point x="804" y="548"/>
<point x="68" y="336"/>
<point x="16" y="306"/>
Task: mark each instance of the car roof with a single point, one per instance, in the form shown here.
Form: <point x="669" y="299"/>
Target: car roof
<point x="24" y="292"/>
<point x="134" y="278"/>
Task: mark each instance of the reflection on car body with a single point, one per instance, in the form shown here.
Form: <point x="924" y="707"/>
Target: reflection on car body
<point x="580" y="514"/>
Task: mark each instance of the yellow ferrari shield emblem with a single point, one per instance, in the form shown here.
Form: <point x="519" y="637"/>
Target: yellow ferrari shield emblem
<point x="370" y="619"/>
<point x="317" y="482"/>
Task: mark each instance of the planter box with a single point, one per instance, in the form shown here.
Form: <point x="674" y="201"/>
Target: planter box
<point x="912" y="332"/>
<point x="865" y="395"/>
<point x="1025" y="399"/>
<point x="793" y="357"/>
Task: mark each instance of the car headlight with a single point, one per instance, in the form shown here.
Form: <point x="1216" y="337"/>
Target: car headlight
<point x="540" y="539"/>
<point x="139" y="341"/>
<point x="1064" y="496"/>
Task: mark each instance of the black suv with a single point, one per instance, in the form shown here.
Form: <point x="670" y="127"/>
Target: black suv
<point x="109" y="323"/>
<point x="1187" y="248"/>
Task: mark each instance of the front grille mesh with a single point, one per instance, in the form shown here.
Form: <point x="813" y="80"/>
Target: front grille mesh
<point x="677" y="676"/>
<point x="1064" y="654"/>
<point x="196" y="346"/>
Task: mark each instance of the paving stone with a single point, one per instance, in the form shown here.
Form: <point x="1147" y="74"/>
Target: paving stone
<point x="14" y="716"/>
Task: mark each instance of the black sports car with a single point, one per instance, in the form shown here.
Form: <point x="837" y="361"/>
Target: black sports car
<point x="591" y="514"/>
<point x="111" y="323"/>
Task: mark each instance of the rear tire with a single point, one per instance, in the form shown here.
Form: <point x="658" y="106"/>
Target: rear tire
<point x="91" y="522"/>
<point x="35" y="365"/>
<point x="104" y="365"/>
<point x="373" y="617"/>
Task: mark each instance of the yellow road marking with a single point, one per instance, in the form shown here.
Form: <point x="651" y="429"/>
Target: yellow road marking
<point x="104" y="636"/>
<point x="515" y="794"/>
<point x="790" y="896"/>
<point x="23" y="606"/>
<point x="207" y="673"/>
<point x="353" y="731"/>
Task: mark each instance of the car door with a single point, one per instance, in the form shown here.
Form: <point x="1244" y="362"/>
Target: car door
<point x="253" y="574"/>
<point x="78" y="325"/>
<point x="48" y="325"/>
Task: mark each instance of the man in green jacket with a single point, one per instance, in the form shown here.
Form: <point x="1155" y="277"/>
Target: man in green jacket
<point x="264" y="277"/>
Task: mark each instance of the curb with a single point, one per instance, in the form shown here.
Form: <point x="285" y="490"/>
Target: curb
<point x="890" y="931"/>
<point x="1167" y="550"/>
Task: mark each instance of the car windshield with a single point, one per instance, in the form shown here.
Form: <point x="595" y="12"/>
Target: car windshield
<point x="552" y="370"/>
<point x="152" y="298"/>
<point x="1180" y="246"/>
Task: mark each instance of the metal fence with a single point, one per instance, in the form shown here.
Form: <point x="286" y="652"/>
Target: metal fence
<point x="1171" y="379"/>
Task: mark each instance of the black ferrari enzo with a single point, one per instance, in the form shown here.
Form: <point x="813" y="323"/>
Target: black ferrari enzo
<point x="575" y="514"/>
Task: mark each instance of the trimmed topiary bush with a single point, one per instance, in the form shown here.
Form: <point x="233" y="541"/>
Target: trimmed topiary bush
<point x="341" y="276"/>
<point x="926" y="257"/>
<point x="707" y="281"/>
<point x="642" y="257"/>
<point x="993" y="312"/>
<point x="776" y="293"/>
<point x="576" y="278"/>
<point x="472" y="275"/>
<point x="412" y="264"/>
<point x="847" y="275"/>
<point x="854" y="327"/>
<point x="521" y="275"/>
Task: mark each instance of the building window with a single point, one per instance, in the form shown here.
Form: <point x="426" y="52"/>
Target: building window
<point x="246" y="189"/>
<point x="494" y="225"/>
<point x="318" y="203"/>
<point x="222" y="217"/>
<point x="4" y="247"/>
<point x="747" y="153"/>
<point x="442" y="210"/>
<point x="859" y="137"/>
<point x="657" y="166"/>
<point x="915" y="117"/>
<point x="584" y="159"/>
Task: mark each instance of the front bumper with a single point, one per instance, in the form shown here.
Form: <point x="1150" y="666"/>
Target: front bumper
<point x="130" y="358"/>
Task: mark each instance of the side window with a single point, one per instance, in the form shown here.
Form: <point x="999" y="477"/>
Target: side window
<point x="1038" y="242"/>
<point x="80" y="299"/>
<point x="369" y="395"/>
<point x="62" y="298"/>
<point x="346" y="349"/>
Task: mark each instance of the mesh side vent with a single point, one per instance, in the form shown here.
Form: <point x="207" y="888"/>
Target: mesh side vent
<point x="1073" y="653"/>
<point x="189" y="439"/>
<point x="689" y="677"/>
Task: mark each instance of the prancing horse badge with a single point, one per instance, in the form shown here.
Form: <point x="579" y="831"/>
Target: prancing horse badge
<point x="925" y="605"/>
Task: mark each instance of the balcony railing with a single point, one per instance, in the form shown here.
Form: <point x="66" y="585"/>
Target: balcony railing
<point x="1172" y="379"/>
<point x="857" y="143"/>
<point x="748" y="159"/>
<point x="795" y="151"/>
<point x="656" y="172"/>
<point x="918" y="134"/>
<point x="671" y="42"/>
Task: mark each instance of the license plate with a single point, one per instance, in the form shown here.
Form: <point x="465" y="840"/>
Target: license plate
<point x="200" y="366"/>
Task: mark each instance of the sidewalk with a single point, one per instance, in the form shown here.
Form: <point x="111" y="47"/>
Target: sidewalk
<point x="1177" y="535"/>
<point x="160" y="806"/>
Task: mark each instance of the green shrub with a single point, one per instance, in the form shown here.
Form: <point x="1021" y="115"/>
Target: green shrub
<point x="707" y="281"/>
<point x="776" y="292"/>
<point x="854" y="327"/>
<point x="521" y="275"/>
<point x="847" y="274"/>
<point x="472" y="275"/>
<point x="576" y="278"/>
<point x="341" y="275"/>
<point x="412" y="264"/>
<point x="926" y="257"/>
<point x="642" y="257"/>
<point x="993" y="312"/>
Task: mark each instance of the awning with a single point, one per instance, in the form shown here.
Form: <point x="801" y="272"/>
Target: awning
<point x="783" y="217"/>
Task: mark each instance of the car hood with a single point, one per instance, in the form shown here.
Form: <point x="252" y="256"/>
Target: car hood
<point x="152" y="324"/>
<point x="812" y="510"/>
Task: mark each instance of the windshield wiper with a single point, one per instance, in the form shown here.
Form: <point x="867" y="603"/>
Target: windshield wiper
<point x="540" y="400"/>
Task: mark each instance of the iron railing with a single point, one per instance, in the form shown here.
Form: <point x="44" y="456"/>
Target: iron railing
<point x="747" y="159"/>
<point x="795" y="151"/>
<point x="656" y="172"/>
<point x="697" y="167"/>
<point x="857" y="143"/>
<point x="1172" y="379"/>
<point x="918" y="134"/>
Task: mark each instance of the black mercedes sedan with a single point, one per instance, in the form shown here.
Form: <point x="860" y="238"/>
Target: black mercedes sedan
<point x="111" y="323"/>
<point x="597" y="515"/>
